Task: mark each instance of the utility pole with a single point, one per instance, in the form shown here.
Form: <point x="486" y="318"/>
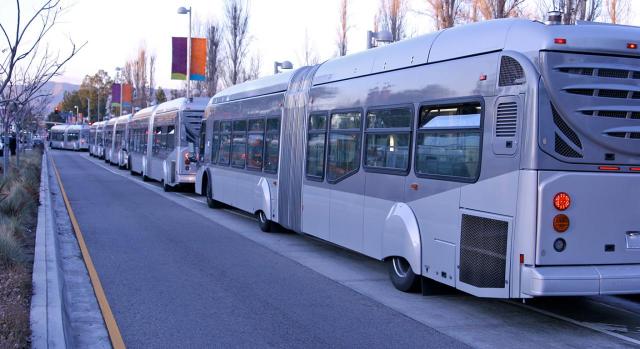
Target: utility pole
<point x="88" y="111"/>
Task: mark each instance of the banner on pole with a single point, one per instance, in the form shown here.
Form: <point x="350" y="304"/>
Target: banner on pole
<point x="179" y="58"/>
<point x="116" y="98"/>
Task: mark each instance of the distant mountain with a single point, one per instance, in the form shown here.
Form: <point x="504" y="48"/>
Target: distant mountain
<point x="57" y="90"/>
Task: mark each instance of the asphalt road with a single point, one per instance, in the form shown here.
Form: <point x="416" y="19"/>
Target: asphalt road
<point x="178" y="274"/>
<point x="176" y="279"/>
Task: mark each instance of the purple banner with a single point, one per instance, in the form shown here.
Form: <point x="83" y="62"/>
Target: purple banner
<point x="179" y="59"/>
<point x="115" y="94"/>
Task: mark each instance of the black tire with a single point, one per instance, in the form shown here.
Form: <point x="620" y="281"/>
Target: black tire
<point x="263" y="222"/>
<point x="166" y="187"/>
<point x="210" y="201"/>
<point x="401" y="275"/>
<point x="145" y="178"/>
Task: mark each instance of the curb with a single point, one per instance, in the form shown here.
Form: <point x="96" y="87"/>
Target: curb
<point x="48" y="318"/>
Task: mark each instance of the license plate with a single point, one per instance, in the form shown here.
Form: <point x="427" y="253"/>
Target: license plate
<point x="633" y="239"/>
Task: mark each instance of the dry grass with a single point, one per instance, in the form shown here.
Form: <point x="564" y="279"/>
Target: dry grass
<point x="19" y="195"/>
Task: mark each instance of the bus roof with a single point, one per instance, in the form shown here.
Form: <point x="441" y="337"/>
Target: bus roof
<point x="197" y="103"/>
<point x="142" y="113"/>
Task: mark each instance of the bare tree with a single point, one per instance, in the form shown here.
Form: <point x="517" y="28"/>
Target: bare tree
<point x="343" y="28"/>
<point x="392" y="16"/>
<point x="152" y="79"/>
<point x="309" y="54"/>
<point x="445" y="12"/>
<point x="572" y="10"/>
<point x="139" y="78"/>
<point x="25" y="65"/>
<point x="214" y="57"/>
<point x="253" y="70"/>
<point x="236" y="40"/>
<point x="618" y="10"/>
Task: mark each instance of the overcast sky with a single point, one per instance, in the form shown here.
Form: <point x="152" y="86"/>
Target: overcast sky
<point x="115" y="29"/>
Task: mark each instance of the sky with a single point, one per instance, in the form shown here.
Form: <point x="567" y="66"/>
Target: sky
<point x="114" y="30"/>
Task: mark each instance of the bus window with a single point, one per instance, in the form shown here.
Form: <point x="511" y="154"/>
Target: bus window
<point x="344" y="145"/>
<point x="255" y="144"/>
<point x="225" y="144"/>
<point x="387" y="139"/>
<point x="272" y="148"/>
<point x="316" y="140"/>
<point x="170" y="138"/>
<point x="215" y="142"/>
<point x="239" y="143"/>
<point x="448" y="141"/>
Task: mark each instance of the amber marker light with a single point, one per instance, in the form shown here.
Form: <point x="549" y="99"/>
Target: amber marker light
<point x="560" y="41"/>
<point x="632" y="46"/>
<point x="561" y="223"/>
<point x="562" y="201"/>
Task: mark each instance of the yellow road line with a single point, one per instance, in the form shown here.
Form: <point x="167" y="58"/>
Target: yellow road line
<point x="107" y="315"/>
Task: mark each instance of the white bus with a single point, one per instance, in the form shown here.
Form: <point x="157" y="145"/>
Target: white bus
<point x="119" y="152"/>
<point x="173" y="136"/>
<point x="484" y="157"/>
<point x="109" y="135"/>
<point x="96" y="139"/>
<point x="57" y="136"/>
<point x="138" y="138"/>
<point x="77" y="137"/>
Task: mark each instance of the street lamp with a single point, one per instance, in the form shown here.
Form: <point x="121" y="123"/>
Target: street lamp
<point x="375" y="37"/>
<point x="281" y="65"/>
<point x="120" y="78"/>
<point x="75" y="106"/>
<point x="183" y="11"/>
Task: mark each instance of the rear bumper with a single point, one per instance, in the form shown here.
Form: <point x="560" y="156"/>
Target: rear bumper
<point x="581" y="280"/>
<point x="186" y="178"/>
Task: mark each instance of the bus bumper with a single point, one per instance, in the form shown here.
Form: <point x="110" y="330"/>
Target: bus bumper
<point x="581" y="280"/>
<point x="186" y="178"/>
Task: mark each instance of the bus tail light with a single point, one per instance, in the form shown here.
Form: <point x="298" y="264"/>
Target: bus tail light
<point x="561" y="223"/>
<point x="560" y="41"/>
<point x="562" y="201"/>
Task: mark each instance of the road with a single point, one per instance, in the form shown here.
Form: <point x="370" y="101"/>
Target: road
<point x="177" y="274"/>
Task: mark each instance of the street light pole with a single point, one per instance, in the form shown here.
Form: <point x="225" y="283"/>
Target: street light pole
<point x="381" y="36"/>
<point x="88" y="110"/>
<point x="76" y="112"/>
<point x="182" y="11"/>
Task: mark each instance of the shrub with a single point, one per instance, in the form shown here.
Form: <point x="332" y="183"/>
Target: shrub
<point x="10" y="249"/>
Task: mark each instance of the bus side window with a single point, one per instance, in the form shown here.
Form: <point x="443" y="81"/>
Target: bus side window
<point x="316" y="142"/>
<point x="255" y="144"/>
<point x="448" y="141"/>
<point x="272" y="145"/>
<point x="170" y="138"/>
<point x="215" y="142"/>
<point x="387" y="139"/>
<point x="239" y="144"/>
<point x="157" y="135"/>
<point x="225" y="143"/>
<point x="344" y="145"/>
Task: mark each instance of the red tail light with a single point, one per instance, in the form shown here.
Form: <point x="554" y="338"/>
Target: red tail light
<point x="562" y="201"/>
<point x="560" y="41"/>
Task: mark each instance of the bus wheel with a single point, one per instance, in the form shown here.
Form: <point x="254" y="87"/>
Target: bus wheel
<point x="401" y="275"/>
<point x="264" y="222"/>
<point x="166" y="187"/>
<point x="145" y="178"/>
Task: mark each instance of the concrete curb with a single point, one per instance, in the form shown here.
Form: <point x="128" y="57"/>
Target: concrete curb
<point x="48" y="318"/>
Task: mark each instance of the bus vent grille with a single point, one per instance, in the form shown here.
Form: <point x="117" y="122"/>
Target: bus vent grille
<point x="511" y="72"/>
<point x="602" y="72"/>
<point x="483" y="249"/>
<point x="565" y="129"/>
<point x="507" y="119"/>
<point x="564" y="149"/>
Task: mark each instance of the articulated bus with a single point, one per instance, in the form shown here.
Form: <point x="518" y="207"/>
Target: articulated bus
<point x="172" y="141"/>
<point x="57" y="136"/>
<point x="109" y="135"/>
<point x="138" y="138"/>
<point x="484" y="157"/>
<point x="77" y="137"/>
<point x="96" y="139"/>
<point x="119" y="152"/>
